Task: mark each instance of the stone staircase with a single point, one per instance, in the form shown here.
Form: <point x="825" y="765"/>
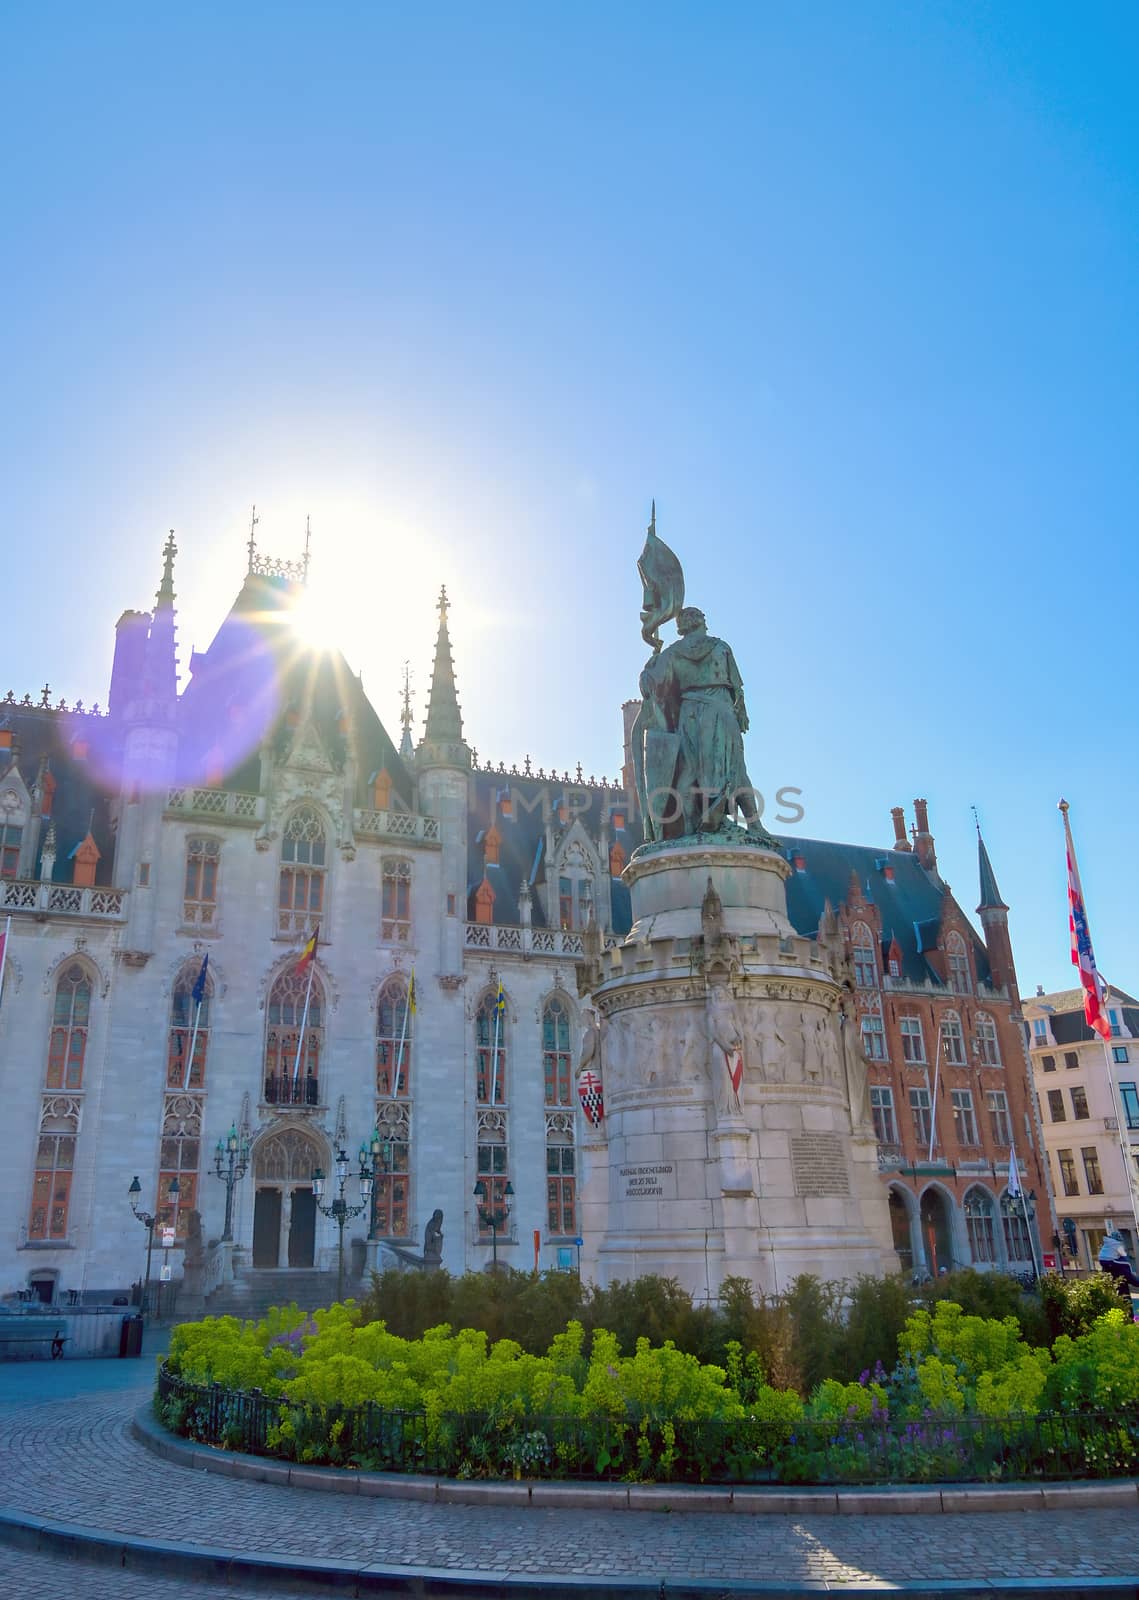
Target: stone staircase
<point x="252" y="1293"/>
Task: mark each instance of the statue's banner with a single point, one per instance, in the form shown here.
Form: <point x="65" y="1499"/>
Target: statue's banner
<point x="662" y="579"/>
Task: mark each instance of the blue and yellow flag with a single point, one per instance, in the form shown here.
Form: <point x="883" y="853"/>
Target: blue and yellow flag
<point x="198" y="992"/>
<point x="411" y="993"/>
<point x="500" y="1000"/>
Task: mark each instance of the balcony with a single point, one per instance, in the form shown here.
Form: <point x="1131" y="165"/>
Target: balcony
<point x="282" y="1090"/>
<point x="395" y="825"/>
<point x="514" y="940"/>
<point x="61" y="899"/>
<point x="225" y="805"/>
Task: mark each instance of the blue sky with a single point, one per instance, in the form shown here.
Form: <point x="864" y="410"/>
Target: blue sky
<point x="849" y="289"/>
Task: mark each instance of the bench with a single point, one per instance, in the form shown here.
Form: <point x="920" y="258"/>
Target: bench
<point x="35" y="1331"/>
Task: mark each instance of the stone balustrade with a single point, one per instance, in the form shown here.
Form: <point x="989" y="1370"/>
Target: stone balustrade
<point x="228" y="804"/>
<point x="512" y="939"/>
<point x="396" y="825"/>
<point x="61" y="899"/>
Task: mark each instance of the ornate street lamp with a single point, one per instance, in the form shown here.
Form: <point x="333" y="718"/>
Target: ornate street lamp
<point x="148" y="1219"/>
<point x="493" y="1217"/>
<point x="231" y="1161"/>
<point x="338" y="1208"/>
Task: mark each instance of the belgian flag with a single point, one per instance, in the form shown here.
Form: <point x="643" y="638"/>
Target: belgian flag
<point x="308" y="954"/>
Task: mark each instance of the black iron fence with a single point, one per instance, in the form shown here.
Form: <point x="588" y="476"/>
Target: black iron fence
<point x="503" y="1443"/>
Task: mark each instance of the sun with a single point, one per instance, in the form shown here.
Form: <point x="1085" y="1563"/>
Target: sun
<point x="315" y="621"/>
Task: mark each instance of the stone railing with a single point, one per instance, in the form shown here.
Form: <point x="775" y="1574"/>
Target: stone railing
<point x="510" y="939"/>
<point x="61" y="899"/>
<point x="396" y="825"/>
<point x="226" y="804"/>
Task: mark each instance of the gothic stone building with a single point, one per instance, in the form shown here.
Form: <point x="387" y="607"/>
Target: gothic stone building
<point x="265" y="799"/>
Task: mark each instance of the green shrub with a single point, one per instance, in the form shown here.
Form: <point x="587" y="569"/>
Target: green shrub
<point x="1073" y="1305"/>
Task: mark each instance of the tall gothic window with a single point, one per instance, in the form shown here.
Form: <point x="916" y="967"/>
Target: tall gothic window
<point x="55" y="1162"/>
<point x="395" y="913"/>
<point x="556" y="1053"/>
<point x="11" y="834"/>
<point x="561" y="1180"/>
<point x="69" y="1024"/>
<point x="865" y="962"/>
<point x="394" y="1024"/>
<point x="390" y="1208"/>
<point x="300" y="898"/>
<point x="1017" y="1241"/>
<point x="952" y="1040"/>
<point x="957" y="960"/>
<point x="284" y="1084"/>
<point x="183" y="1010"/>
<point x="179" y="1157"/>
<point x="980" y="1219"/>
<point x="200" y="890"/>
<point x="987" y="1046"/>
<point x="490" y="1031"/>
<point x="493" y="1167"/>
<point x="913" y="1040"/>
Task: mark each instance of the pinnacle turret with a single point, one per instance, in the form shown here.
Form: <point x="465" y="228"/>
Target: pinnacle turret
<point x="990" y="894"/>
<point x="160" y="675"/>
<point x="444" y="723"/>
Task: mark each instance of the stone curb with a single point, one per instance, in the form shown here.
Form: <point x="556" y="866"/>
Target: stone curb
<point x="98" y="1547"/>
<point x="904" y="1500"/>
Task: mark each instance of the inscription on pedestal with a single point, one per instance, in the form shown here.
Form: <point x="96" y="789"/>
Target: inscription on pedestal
<point x="653" y="1181"/>
<point x="819" y="1165"/>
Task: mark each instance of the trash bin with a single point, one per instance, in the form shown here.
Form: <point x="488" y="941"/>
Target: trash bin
<point x="130" y="1339"/>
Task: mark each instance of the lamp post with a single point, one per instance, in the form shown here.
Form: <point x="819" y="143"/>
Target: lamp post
<point x="231" y="1160"/>
<point x="493" y="1216"/>
<point x="148" y="1219"/>
<point x="338" y="1208"/>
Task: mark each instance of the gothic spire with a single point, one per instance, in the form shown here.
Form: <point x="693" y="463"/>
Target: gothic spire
<point x="444" y="719"/>
<point x="405" y="746"/>
<point x="990" y="894"/>
<point x="161" y="675"/>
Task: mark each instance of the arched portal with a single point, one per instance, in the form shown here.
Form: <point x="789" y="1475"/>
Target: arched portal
<point x="903" y="1216"/>
<point x="284" y="1205"/>
<point x="937" y="1230"/>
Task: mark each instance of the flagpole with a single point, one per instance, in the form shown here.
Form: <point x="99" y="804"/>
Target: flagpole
<point x="304" y="1021"/>
<point x="402" y="1039"/>
<point x="193" y="1042"/>
<point x="1019" y="1194"/>
<point x="1096" y="1003"/>
<point x="933" y="1103"/>
<point x="4" y="952"/>
<point x="494" y="1067"/>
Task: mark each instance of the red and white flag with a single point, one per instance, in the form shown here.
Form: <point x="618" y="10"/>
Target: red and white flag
<point x="590" y="1094"/>
<point x="734" y="1060"/>
<point x="1083" y="956"/>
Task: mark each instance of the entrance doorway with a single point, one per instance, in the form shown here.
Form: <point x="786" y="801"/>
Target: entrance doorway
<point x="302" y="1228"/>
<point x="935" y="1231"/>
<point x="284" y="1210"/>
<point x="900" y="1228"/>
<point x="266" y="1227"/>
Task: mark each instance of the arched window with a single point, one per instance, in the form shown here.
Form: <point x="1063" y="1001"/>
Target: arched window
<point x="952" y="1040"/>
<point x="55" y="1162"/>
<point x="179" y="1157"/>
<point x="980" y="1220"/>
<point x="395" y="1021"/>
<point x="300" y="897"/>
<point x="957" y="962"/>
<point x="490" y="1046"/>
<point x="183" y="1013"/>
<point x="390" y="1209"/>
<point x="69" y="1024"/>
<point x="561" y="1181"/>
<point x="13" y="818"/>
<point x="988" y="1047"/>
<point x="1017" y="1242"/>
<point x="556" y="1053"/>
<point x="200" y="891"/>
<point x="395" y="912"/>
<point x="865" y="961"/>
<point x="285" y="1084"/>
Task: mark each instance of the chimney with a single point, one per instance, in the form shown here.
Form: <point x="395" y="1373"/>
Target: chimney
<point x="923" y="839"/>
<point x="899" y="815"/>
<point x="629" y="713"/>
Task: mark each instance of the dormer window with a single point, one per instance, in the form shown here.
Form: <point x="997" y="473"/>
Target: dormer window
<point x="492" y="841"/>
<point x="865" y="965"/>
<point x="506" y="805"/>
<point x="382" y="791"/>
<point x="957" y="962"/>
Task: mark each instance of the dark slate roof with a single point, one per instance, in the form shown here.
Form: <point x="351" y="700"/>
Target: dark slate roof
<point x="83" y="783"/>
<point x="253" y="674"/>
<point x="990" y="894"/>
<point x="910" y="906"/>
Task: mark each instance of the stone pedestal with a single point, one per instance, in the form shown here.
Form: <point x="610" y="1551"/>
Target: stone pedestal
<point x="736" y="1114"/>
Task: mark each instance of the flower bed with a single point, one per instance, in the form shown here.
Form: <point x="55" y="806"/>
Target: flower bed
<point x="968" y="1401"/>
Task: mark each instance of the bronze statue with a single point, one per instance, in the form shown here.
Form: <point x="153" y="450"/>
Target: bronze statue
<point x="688" y="755"/>
<point x="433" y="1240"/>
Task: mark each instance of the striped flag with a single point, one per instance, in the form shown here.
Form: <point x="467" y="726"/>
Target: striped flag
<point x="308" y="954"/>
<point x="1083" y="956"/>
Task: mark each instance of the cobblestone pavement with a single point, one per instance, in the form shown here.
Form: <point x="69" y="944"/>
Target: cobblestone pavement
<point x="64" y="1437"/>
<point x="36" y="1577"/>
